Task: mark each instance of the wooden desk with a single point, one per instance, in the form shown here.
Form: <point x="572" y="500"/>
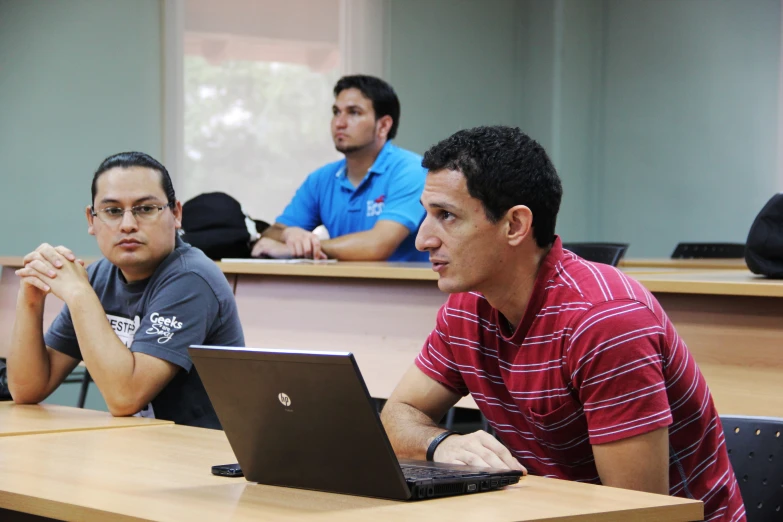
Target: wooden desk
<point x="162" y="474"/>
<point x="683" y="263"/>
<point x="711" y="282"/>
<point x="344" y="269"/>
<point x="373" y="312"/>
<point x="731" y="321"/>
<point x="18" y="419"/>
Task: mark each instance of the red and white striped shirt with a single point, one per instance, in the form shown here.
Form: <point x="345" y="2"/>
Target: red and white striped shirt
<point x="595" y="359"/>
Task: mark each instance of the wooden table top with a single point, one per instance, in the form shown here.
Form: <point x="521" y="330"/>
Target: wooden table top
<point x="11" y="261"/>
<point x="712" y="282"/>
<point x="649" y="262"/>
<point x="163" y="473"/>
<point x="17" y="419"/>
<point x="349" y="269"/>
<point x="16" y="261"/>
<point x="662" y="262"/>
<point x="667" y="279"/>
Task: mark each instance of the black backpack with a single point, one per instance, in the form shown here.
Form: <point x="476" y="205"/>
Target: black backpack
<point x="764" y="248"/>
<point x="216" y="224"/>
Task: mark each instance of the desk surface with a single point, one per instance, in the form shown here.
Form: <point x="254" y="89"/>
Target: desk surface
<point x="665" y="278"/>
<point x="16" y="419"/>
<point x="683" y="263"/>
<point x="711" y="282"/>
<point x="16" y="261"/>
<point x="162" y="473"/>
<point x="349" y="269"/>
<point x="651" y="262"/>
<point x="11" y="261"/>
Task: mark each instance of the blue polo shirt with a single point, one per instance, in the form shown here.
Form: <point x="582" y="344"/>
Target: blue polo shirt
<point x="391" y="190"/>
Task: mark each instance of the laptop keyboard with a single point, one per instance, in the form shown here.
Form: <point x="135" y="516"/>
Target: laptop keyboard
<point x="423" y="473"/>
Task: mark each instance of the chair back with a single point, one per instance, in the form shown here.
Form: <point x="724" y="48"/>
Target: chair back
<point x="606" y="253"/>
<point x="709" y="251"/>
<point x="755" y="446"/>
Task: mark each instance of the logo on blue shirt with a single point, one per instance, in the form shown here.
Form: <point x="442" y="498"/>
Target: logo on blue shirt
<point x="375" y="206"/>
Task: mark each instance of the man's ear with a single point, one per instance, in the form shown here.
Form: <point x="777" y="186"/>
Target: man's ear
<point x="520" y="224"/>
<point x="176" y="210"/>
<point x="383" y="125"/>
<point x="90" y="221"/>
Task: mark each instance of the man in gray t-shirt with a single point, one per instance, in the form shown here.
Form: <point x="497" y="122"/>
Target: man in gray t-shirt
<point x="132" y="315"/>
<point x="186" y="301"/>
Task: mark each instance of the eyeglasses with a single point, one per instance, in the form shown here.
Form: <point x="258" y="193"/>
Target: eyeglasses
<point x="142" y="213"/>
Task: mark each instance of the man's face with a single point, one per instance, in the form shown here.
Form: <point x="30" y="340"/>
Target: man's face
<point x="136" y="245"/>
<point x="465" y="247"/>
<point x="353" y="121"/>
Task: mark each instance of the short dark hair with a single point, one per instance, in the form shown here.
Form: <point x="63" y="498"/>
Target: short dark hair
<point x="136" y="159"/>
<point x="503" y="167"/>
<point x="384" y="99"/>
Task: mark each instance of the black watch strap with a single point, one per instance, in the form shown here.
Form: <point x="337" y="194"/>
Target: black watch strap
<point x="437" y="440"/>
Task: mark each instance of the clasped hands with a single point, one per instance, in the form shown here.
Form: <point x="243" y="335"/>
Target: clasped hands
<point x="297" y="242"/>
<point x="54" y="270"/>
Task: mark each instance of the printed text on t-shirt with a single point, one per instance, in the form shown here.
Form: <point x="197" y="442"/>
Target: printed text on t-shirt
<point x="163" y="327"/>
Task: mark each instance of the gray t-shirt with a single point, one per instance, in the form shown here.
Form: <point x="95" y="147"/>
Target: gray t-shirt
<point x="186" y="301"/>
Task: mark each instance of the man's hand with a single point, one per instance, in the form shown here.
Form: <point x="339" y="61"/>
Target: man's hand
<point x="476" y="449"/>
<point x="303" y="243"/>
<point x="51" y="269"/>
<point x="271" y="248"/>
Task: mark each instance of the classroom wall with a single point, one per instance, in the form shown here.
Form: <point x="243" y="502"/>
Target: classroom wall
<point x="559" y="69"/>
<point x="79" y="80"/>
<point x="690" y="120"/>
<point x="661" y="116"/>
<point x="453" y="66"/>
<point x="459" y="64"/>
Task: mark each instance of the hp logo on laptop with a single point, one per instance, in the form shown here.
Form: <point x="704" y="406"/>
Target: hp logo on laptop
<point x="284" y="399"/>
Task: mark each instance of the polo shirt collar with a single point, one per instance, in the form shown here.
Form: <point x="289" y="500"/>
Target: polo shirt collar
<point x="381" y="163"/>
<point x="379" y="166"/>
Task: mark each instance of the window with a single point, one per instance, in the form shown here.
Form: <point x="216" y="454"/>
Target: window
<point x="258" y="78"/>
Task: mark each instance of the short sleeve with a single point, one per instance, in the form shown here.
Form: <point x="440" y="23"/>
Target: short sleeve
<point x="436" y="359"/>
<point x="614" y="358"/>
<point x="402" y="204"/>
<point x="304" y="210"/>
<point x="61" y="335"/>
<point x="178" y="314"/>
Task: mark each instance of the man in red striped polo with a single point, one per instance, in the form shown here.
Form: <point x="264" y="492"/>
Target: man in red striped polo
<point x="576" y="366"/>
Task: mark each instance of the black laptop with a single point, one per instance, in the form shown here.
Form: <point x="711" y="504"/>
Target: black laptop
<point x="305" y="420"/>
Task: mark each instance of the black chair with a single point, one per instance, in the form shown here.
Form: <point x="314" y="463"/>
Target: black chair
<point x="5" y="393"/>
<point x="709" y="251"/>
<point x="86" y="380"/>
<point x="755" y="446"/>
<point x="606" y="253"/>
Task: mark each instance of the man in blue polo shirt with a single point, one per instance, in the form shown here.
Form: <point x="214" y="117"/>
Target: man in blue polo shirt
<point x="369" y="201"/>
